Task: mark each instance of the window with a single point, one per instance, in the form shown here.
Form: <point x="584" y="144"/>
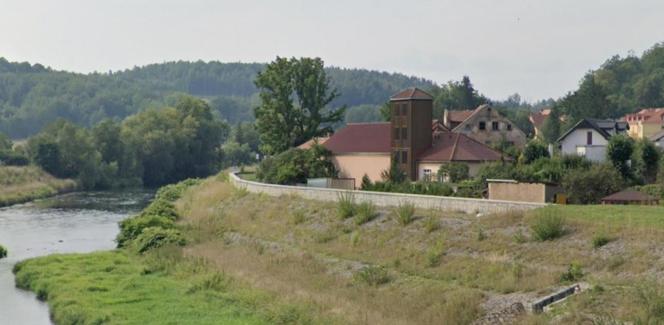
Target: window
<point x="404" y="133"/>
<point x="426" y="175"/>
<point x="404" y="157"/>
<point x="404" y="109"/>
<point x="509" y="127"/>
<point x="396" y="133"/>
<point x="482" y="125"/>
<point x="396" y="157"/>
<point x="589" y="138"/>
<point x="494" y="126"/>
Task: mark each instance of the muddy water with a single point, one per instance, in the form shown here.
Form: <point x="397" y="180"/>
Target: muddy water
<point x="72" y="223"/>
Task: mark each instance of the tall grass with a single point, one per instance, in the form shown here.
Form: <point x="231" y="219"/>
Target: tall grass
<point x="366" y="212"/>
<point x="548" y="225"/>
<point x="22" y="184"/>
<point x="372" y="275"/>
<point x="404" y="213"/>
<point x="346" y="205"/>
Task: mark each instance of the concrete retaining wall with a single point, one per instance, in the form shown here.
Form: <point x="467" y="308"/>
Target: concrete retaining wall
<point x="388" y="199"/>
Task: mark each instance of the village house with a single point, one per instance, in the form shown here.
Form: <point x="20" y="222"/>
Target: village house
<point x="537" y="120"/>
<point x="484" y="124"/>
<point x="658" y="139"/>
<point x="590" y="137"/>
<point x="418" y="144"/>
<point x="645" y="123"/>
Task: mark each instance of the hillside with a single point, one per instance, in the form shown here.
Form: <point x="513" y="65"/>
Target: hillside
<point x="32" y="96"/>
<point x="22" y="184"/>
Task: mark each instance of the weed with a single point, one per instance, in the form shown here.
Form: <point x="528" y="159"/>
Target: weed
<point x="435" y="253"/>
<point x="346" y="205"/>
<point x="548" y="225"/>
<point x="373" y="275"/>
<point x="600" y="240"/>
<point x="481" y="235"/>
<point x="573" y="273"/>
<point x="298" y="217"/>
<point x="366" y="212"/>
<point x="404" y="213"/>
<point x="431" y="224"/>
<point x="355" y="238"/>
<point x="3" y="252"/>
<point x="519" y="237"/>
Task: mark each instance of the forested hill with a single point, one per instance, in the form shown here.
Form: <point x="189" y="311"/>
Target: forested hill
<point x="32" y="96"/>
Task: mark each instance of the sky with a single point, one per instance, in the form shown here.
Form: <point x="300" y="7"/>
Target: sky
<point x="538" y="48"/>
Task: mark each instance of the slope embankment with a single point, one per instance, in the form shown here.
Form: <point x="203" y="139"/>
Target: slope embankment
<point x="23" y="184"/>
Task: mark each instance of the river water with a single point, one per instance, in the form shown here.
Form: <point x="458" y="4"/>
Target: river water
<point x="72" y="223"/>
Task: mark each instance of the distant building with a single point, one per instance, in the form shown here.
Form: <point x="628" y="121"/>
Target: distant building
<point x="484" y="124"/>
<point x="658" y="139"/>
<point x="537" y="120"/>
<point x="511" y="190"/>
<point x="418" y="144"/>
<point x="628" y="197"/>
<point x="645" y="123"/>
<point x="590" y="137"/>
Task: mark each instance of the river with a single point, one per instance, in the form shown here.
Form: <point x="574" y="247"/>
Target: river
<point x="72" y="223"/>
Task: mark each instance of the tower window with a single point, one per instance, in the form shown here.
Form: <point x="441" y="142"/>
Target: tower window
<point x="404" y="109"/>
<point x="404" y="133"/>
<point x="396" y="133"/>
<point x="495" y="126"/>
<point x="396" y="157"/>
<point x="404" y="157"/>
<point x="482" y="126"/>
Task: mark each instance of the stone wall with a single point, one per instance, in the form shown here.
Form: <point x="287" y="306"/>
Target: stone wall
<point x="388" y="199"/>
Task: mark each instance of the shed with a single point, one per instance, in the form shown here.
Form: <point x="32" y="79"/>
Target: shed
<point x="511" y="190"/>
<point x="630" y="197"/>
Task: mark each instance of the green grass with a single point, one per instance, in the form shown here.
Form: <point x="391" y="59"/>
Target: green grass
<point x="613" y="215"/>
<point x="23" y="184"/>
<point x="118" y="288"/>
<point x="404" y="213"/>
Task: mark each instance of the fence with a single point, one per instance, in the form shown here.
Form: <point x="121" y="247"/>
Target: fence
<point x="389" y="199"/>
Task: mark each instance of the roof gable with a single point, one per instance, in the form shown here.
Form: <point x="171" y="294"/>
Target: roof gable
<point x="452" y="146"/>
<point x="601" y="126"/>
<point x="492" y="112"/>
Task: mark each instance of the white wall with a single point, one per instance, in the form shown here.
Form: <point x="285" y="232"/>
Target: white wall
<point x="473" y="168"/>
<point x="577" y="138"/>
<point x="388" y="199"/>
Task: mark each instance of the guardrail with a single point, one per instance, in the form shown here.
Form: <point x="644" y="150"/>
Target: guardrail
<point x="384" y="199"/>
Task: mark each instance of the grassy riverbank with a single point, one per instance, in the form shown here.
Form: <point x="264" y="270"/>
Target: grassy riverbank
<point x="306" y="264"/>
<point x="23" y="184"/>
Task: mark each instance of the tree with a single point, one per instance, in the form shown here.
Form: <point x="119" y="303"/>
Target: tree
<point x="532" y="151"/>
<point x="619" y="153"/>
<point x="586" y="186"/>
<point x="590" y="100"/>
<point x="48" y="157"/>
<point x="551" y="126"/>
<point x="296" y="165"/>
<point x="366" y="183"/>
<point x="454" y="172"/>
<point x="457" y="95"/>
<point x="6" y="143"/>
<point x="394" y="174"/>
<point x="294" y="96"/>
<point x="645" y="160"/>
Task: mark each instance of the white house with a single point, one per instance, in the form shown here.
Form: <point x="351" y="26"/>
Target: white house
<point x="590" y="137"/>
<point x="658" y="139"/>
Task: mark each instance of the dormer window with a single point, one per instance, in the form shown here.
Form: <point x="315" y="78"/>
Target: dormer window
<point x="495" y="126"/>
<point x="482" y="126"/>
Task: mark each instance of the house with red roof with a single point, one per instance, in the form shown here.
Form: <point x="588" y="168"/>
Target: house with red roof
<point x="414" y="141"/>
<point x="645" y="123"/>
<point x="486" y="125"/>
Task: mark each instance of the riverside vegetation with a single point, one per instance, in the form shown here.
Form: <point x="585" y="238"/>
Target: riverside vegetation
<point x="24" y="183"/>
<point x="290" y="260"/>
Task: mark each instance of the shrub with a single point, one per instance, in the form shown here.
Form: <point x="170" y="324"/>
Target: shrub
<point x="366" y="212"/>
<point x="573" y="273"/>
<point x="453" y="172"/>
<point x="431" y="224"/>
<point x="600" y="240"/>
<point x="173" y="192"/>
<point x="519" y="237"/>
<point x="548" y="225"/>
<point x="3" y="252"/>
<point x="404" y="213"/>
<point x="346" y="205"/>
<point x="298" y="217"/>
<point x="295" y="166"/>
<point x="533" y="150"/>
<point x="160" y="207"/>
<point x="589" y="186"/>
<point x="373" y="275"/>
<point x="366" y="183"/>
<point x="131" y="228"/>
<point x="481" y="235"/>
<point x="155" y="237"/>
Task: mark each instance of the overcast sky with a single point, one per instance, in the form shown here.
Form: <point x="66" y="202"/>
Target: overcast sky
<point x="539" y="49"/>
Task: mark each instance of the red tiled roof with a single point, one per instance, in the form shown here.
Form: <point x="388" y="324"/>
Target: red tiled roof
<point x="459" y="116"/>
<point x="310" y="143"/>
<point x="458" y="147"/>
<point x="360" y="137"/>
<point x="628" y="195"/>
<point x="646" y="115"/>
<point x="411" y="93"/>
<point x="538" y="118"/>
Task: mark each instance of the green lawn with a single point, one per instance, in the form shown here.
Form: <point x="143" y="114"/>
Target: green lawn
<point x="116" y="288"/>
<point x="615" y="215"/>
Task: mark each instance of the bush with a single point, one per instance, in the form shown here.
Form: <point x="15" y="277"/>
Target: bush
<point x="366" y="212"/>
<point x="346" y="205"/>
<point x="295" y="166"/>
<point x="435" y="253"/>
<point x="600" y="240"/>
<point x="131" y="228"/>
<point x="573" y="273"/>
<point x="174" y="191"/>
<point x="404" y="213"/>
<point x="372" y="275"/>
<point x="453" y="172"/>
<point x="155" y="237"/>
<point x="3" y="252"/>
<point x="533" y="150"/>
<point x="160" y="207"/>
<point x="548" y="225"/>
<point x="589" y="186"/>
